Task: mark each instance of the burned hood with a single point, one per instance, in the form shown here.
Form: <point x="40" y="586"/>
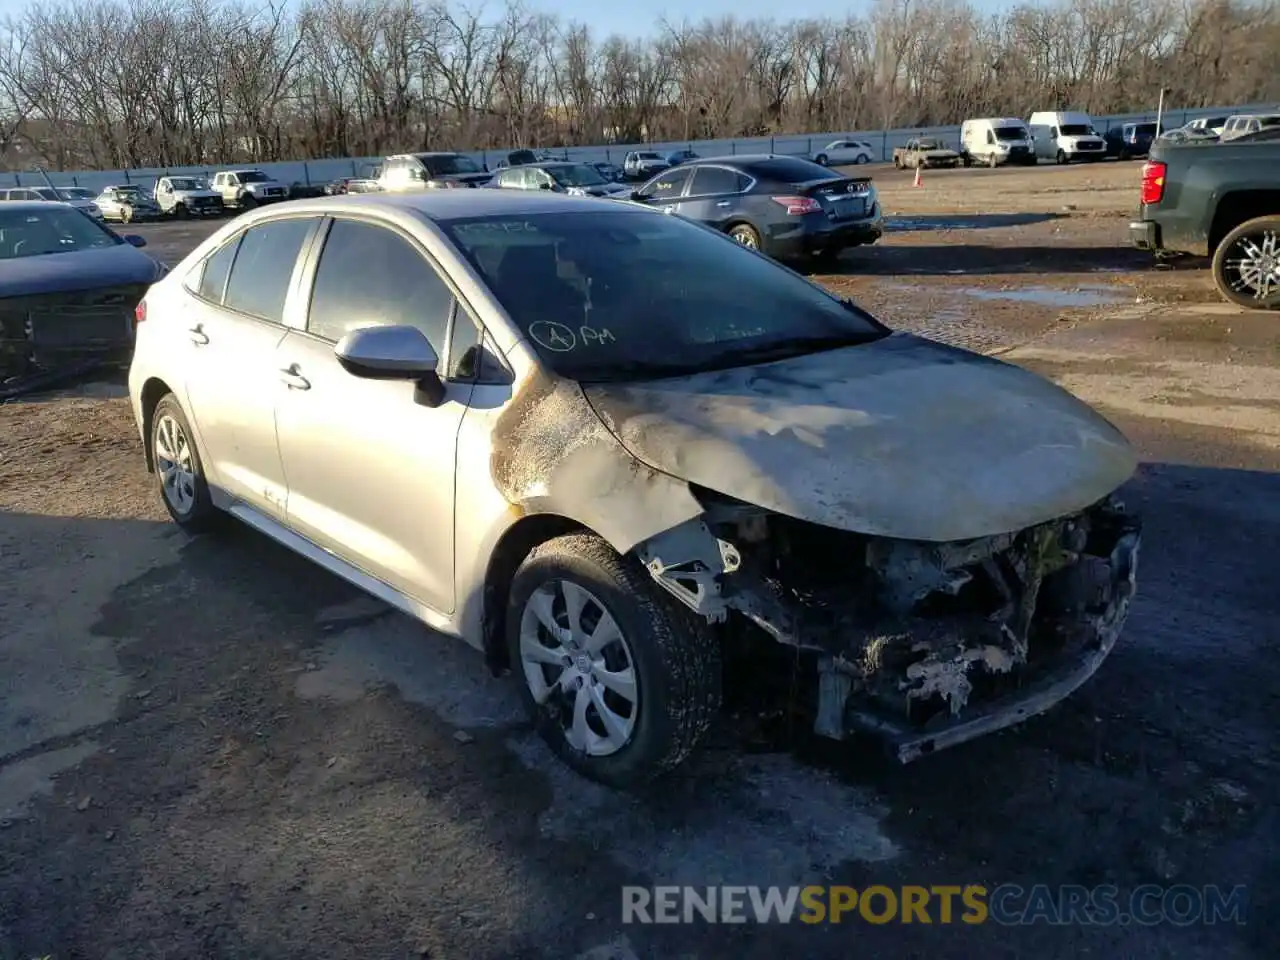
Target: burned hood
<point x="116" y="265"/>
<point x="902" y="437"/>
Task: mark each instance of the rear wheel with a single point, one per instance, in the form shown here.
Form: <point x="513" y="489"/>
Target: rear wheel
<point x="1246" y="264"/>
<point x="619" y="679"/>
<point x="863" y="158"/>
<point x="179" y="470"/>
<point x="746" y="235"/>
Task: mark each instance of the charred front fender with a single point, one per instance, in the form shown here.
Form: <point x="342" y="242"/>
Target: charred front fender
<point x="551" y="453"/>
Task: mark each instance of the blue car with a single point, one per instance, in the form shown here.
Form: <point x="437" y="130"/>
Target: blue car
<point x="677" y="157"/>
<point x="68" y="289"/>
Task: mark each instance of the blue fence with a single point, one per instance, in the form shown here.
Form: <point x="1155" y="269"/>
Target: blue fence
<point x="322" y="171"/>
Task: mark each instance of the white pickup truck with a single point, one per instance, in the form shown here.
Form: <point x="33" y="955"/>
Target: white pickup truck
<point x="187" y="197"/>
<point x="248" y="188"/>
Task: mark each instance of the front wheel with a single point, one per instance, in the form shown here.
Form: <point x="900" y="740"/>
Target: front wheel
<point x="248" y="201"/>
<point x="620" y="680"/>
<point x="1246" y="264"/>
<point x="180" y="211"/>
<point x="746" y="235"/>
<point x="992" y="160"/>
<point x="1062" y="156"/>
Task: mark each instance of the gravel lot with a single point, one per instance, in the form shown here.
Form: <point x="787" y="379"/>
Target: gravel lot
<point x="209" y="748"/>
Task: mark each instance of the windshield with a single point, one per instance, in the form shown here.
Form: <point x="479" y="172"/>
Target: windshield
<point x="928" y="145"/>
<point x="187" y="183"/>
<point x="579" y="175"/>
<point x="31" y="233"/>
<point x="1074" y="130"/>
<point x="626" y="295"/>
<point x="1011" y="133"/>
<point x="450" y="163"/>
<point x="75" y="193"/>
<point x="46" y="193"/>
<point x="648" y="156"/>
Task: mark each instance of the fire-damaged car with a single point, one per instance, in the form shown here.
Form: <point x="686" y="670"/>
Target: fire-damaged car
<point x="612" y="449"/>
<point x="68" y="289"/>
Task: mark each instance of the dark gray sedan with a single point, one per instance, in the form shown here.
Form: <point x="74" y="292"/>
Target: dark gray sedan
<point x="786" y="207"/>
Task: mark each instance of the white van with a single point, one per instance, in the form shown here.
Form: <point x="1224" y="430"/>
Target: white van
<point x="1066" y="136"/>
<point x="996" y="140"/>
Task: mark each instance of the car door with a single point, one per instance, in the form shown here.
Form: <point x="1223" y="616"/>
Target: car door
<point x="370" y="469"/>
<point x="234" y="320"/>
<point x="664" y="191"/>
<point x="713" y="195"/>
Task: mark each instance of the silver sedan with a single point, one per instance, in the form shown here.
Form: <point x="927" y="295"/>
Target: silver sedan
<point x="611" y="448"/>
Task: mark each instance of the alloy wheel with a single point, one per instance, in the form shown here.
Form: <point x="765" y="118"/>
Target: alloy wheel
<point x="175" y="464"/>
<point x="578" y="667"/>
<point x="1252" y="265"/>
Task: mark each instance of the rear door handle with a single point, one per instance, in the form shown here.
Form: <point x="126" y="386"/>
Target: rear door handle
<point x="198" y="336"/>
<point x="291" y="378"/>
<point x="723" y="203"/>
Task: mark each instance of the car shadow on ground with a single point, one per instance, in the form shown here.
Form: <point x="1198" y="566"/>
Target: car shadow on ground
<point x="975" y="221"/>
<point x="937" y="260"/>
<point x="278" y="768"/>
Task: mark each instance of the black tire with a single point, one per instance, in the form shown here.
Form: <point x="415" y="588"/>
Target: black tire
<point x="248" y="201"/>
<point x="1061" y="157"/>
<point x="862" y="158"/>
<point x="967" y="161"/>
<point x="825" y="259"/>
<point x="746" y="235"/>
<point x="201" y="515"/>
<point x="821" y="158"/>
<point x="1228" y="257"/>
<point x="181" y="212"/>
<point x="675" y="659"/>
<point x="1124" y="154"/>
<point x="992" y="161"/>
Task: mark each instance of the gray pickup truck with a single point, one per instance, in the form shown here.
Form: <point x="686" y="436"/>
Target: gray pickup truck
<point x="1219" y="200"/>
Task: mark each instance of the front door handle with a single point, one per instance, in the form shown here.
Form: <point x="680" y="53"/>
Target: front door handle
<point x="291" y="378"/>
<point x="723" y="203"/>
<point x="198" y="336"/>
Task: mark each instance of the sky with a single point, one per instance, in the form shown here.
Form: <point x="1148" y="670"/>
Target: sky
<point x="627" y="19"/>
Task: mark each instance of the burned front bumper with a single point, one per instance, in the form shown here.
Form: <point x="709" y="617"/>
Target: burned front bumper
<point x="923" y="644"/>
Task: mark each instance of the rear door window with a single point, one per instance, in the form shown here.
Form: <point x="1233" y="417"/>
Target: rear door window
<point x="263" y="267"/>
<point x="716" y="180"/>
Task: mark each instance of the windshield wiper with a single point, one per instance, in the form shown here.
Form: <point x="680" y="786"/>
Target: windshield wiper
<point x="639" y="370"/>
<point x="795" y="347"/>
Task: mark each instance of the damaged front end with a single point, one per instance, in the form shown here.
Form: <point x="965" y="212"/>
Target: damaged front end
<point x="923" y="644"/>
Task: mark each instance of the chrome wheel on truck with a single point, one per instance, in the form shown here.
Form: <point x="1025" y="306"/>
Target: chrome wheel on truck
<point x="1246" y="264"/>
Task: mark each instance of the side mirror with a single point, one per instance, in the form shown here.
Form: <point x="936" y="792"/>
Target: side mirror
<point x="638" y="197"/>
<point x="134" y="240"/>
<point x="545" y="186"/>
<point x="393" y="353"/>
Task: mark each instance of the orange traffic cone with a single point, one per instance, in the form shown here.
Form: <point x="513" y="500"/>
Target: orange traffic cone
<point x="918" y="181"/>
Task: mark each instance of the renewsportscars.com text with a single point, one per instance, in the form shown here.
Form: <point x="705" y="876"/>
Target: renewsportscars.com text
<point x="1006" y="904"/>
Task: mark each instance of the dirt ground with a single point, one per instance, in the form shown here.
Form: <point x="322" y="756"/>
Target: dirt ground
<point x="209" y="748"/>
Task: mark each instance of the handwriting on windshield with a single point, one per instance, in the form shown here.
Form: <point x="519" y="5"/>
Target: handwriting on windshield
<point x="561" y="338"/>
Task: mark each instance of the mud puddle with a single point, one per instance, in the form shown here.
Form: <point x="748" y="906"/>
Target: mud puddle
<point x="1085" y="296"/>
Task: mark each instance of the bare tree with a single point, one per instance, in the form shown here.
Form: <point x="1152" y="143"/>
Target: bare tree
<point x="154" y="83"/>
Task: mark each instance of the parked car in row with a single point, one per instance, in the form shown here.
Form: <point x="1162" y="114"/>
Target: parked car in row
<point x="1063" y="136"/>
<point x="839" y="153"/>
<point x="430" y="171"/>
<point x="188" y="197"/>
<point x="1130" y="141"/>
<point x="1246" y="123"/>
<point x="628" y="450"/>
<point x="516" y="158"/>
<point x="925" y="152"/>
<point x="125" y="203"/>
<point x="642" y="164"/>
<point x="785" y="207"/>
<point x="561" y="176"/>
<point x="677" y="157"/>
<point x="995" y="141"/>
<point x="68" y="287"/>
<point x="82" y="200"/>
<point x="1222" y="202"/>
<point x="248" y="188"/>
<point x="610" y="171"/>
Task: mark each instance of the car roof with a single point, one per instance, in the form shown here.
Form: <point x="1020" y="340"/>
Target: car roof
<point x="446" y="205"/>
<point x="33" y="205"/>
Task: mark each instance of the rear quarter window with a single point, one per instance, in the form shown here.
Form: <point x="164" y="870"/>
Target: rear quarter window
<point x="787" y="169"/>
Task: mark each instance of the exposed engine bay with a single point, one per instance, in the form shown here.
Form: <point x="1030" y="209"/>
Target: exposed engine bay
<point x="924" y="644"/>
